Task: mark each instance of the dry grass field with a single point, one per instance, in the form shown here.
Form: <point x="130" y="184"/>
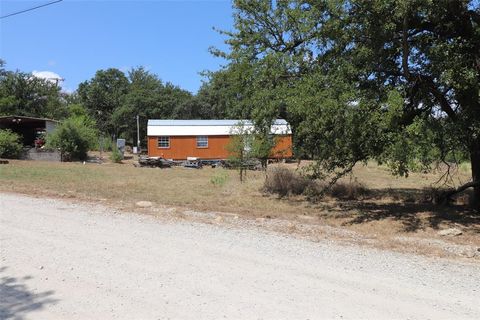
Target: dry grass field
<point x="395" y="208"/>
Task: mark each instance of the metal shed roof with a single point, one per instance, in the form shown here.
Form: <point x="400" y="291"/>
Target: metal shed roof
<point x="207" y="127"/>
<point x="25" y="118"/>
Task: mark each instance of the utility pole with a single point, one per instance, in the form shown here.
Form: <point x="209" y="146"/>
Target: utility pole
<point x="57" y="80"/>
<point x="138" y="134"/>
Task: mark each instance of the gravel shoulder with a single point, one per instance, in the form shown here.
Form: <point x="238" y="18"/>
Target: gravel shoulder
<point x="65" y="260"/>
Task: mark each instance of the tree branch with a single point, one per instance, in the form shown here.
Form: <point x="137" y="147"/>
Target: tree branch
<point x="445" y="197"/>
<point x="405" y="48"/>
<point x="439" y="96"/>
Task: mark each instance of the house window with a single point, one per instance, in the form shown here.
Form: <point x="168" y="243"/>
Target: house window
<point x="202" y="142"/>
<point x="164" y="142"/>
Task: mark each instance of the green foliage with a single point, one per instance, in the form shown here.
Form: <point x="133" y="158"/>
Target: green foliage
<point x="261" y="147"/>
<point x="219" y="178"/>
<point x="396" y="81"/>
<point x="102" y="95"/>
<point x="106" y="144"/>
<point x="239" y="148"/>
<point x="77" y="110"/>
<point x="116" y="156"/>
<point x="248" y="144"/>
<point x="465" y="167"/>
<point x="10" y="146"/>
<point x="23" y="94"/>
<point x="223" y="95"/>
<point x="74" y="137"/>
<point x="115" y="99"/>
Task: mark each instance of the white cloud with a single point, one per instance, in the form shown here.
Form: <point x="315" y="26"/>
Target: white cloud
<point x="47" y="75"/>
<point x="52" y="77"/>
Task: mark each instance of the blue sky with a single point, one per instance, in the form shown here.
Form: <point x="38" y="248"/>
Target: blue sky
<point x="76" y="38"/>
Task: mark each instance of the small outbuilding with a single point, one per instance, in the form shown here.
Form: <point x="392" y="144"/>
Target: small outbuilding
<point x="28" y="128"/>
<point x="208" y="139"/>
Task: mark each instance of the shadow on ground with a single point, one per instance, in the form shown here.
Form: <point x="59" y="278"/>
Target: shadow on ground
<point x="17" y="300"/>
<point x="412" y="207"/>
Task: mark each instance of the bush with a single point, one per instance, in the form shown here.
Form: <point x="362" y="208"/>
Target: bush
<point x="283" y="182"/>
<point x="219" y="178"/>
<point x="10" y="146"/>
<point x="116" y="155"/>
<point x="74" y="137"/>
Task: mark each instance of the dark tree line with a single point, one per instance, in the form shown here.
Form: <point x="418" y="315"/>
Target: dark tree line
<point x="113" y="100"/>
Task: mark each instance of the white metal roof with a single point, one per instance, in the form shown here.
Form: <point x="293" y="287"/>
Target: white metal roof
<point x="208" y="127"/>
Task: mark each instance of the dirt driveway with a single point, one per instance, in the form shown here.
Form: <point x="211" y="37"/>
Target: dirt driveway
<point x="61" y="260"/>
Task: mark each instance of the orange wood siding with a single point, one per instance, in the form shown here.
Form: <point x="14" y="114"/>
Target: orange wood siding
<point x="283" y="147"/>
<point x="182" y="147"/>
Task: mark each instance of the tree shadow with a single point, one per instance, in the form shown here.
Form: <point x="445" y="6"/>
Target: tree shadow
<point x="17" y="300"/>
<point x="412" y="208"/>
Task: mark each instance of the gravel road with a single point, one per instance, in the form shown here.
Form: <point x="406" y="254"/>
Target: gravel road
<point x="64" y="260"/>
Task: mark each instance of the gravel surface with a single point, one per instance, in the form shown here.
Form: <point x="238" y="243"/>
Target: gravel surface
<point x="64" y="260"/>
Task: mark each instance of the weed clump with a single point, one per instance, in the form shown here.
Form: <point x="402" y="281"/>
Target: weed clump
<point x="219" y="179"/>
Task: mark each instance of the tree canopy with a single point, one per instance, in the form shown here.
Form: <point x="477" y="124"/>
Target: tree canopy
<point x="115" y="99"/>
<point x="23" y="94"/>
<point x="112" y="99"/>
<point x="396" y="81"/>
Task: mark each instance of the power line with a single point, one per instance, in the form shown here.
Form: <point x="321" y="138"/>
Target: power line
<point x="30" y="9"/>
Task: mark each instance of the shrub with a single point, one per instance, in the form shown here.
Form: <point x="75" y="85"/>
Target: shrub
<point x="74" y="137"/>
<point x="116" y="155"/>
<point x="219" y="178"/>
<point x="10" y="146"/>
<point x="283" y="182"/>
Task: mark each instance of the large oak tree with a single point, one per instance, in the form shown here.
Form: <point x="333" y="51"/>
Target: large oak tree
<point x="392" y="80"/>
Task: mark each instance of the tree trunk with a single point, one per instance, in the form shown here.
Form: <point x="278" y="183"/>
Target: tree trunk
<point x="475" y="162"/>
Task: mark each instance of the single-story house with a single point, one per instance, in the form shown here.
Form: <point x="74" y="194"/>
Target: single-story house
<point x="207" y="139"/>
<point x="29" y="128"/>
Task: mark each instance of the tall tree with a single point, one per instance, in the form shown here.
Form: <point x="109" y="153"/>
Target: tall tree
<point x="358" y="77"/>
<point x="221" y="96"/>
<point x="26" y="95"/>
<point x="147" y="97"/>
<point x="142" y="96"/>
<point x="104" y="93"/>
